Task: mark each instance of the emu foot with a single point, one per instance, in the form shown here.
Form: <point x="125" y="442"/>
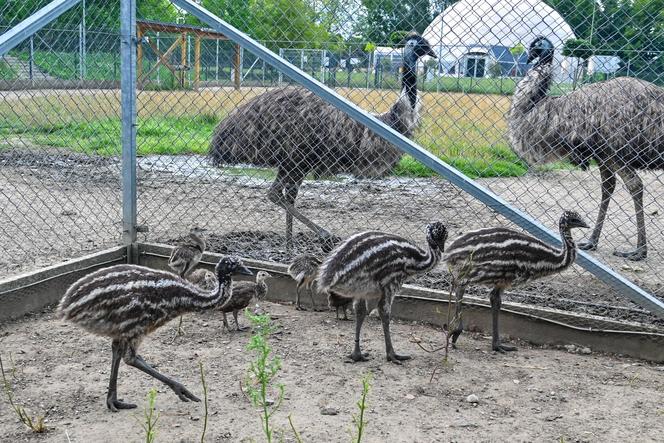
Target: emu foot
<point x="359" y="356"/>
<point x="499" y="347"/>
<point x="588" y="245"/>
<point x="183" y="393"/>
<point x="300" y="308"/>
<point x="397" y="358"/>
<point x="635" y="255"/>
<point x="114" y="405"/>
<point x="241" y="328"/>
<point x="455" y="336"/>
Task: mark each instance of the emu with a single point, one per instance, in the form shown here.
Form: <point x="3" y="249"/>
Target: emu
<point x="243" y="293"/>
<point x="336" y="301"/>
<point x="298" y="133"/>
<point x="127" y="302"/>
<point x="203" y="278"/>
<point x="373" y="266"/>
<point x="618" y="123"/>
<point x="304" y="270"/>
<point x="501" y="258"/>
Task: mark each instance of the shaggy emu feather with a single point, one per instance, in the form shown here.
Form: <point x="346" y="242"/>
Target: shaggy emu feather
<point x="618" y="123"/>
<point x="298" y="133"/>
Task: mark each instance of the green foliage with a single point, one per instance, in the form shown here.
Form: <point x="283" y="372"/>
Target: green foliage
<point x="517" y="50"/>
<point x="359" y="420"/>
<point x="6" y="71"/>
<point x="150" y="417"/>
<point x="385" y="17"/>
<point x="262" y="372"/>
<point x="578" y="47"/>
<point x="36" y="424"/>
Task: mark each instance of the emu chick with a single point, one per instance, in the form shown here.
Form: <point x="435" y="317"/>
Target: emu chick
<point x="242" y="294"/>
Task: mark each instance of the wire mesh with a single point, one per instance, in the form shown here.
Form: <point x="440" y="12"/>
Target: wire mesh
<point x="337" y="174"/>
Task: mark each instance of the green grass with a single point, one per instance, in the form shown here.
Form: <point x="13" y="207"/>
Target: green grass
<point x="65" y="65"/>
<point x="6" y="71"/>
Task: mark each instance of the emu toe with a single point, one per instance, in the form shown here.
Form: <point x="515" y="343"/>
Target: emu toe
<point x="397" y="358"/>
<point x="361" y="356"/>
<point x="183" y="393"/>
<point x="635" y="255"/>
<point x="114" y="405"/>
<point x="587" y="245"/>
<point x="503" y="348"/>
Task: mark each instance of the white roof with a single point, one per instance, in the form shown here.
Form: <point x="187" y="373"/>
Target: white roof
<point x="497" y="22"/>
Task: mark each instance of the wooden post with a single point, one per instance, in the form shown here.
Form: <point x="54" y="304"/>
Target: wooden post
<point x="183" y="59"/>
<point x="139" y="56"/>
<point x="238" y="68"/>
<point x="197" y="62"/>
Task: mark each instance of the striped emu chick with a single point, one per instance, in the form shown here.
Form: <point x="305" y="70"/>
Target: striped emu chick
<point x="186" y="255"/>
<point x="203" y="278"/>
<point x="304" y="270"/>
<point x="501" y="258"/>
<point x="336" y="301"/>
<point x="127" y="302"/>
<point x="242" y="294"/>
<point x="373" y="266"/>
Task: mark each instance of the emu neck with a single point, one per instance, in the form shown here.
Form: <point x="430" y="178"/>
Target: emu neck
<point x="428" y="261"/>
<point x="409" y="77"/>
<point x="197" y="241"/>
<point x="567" y="254"/>
<point x="202" y="300"/>
<point x="533" y="88"/>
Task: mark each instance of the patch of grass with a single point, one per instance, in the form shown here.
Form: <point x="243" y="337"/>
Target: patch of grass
<point x="466" y="131"/>
<point x="35" y="424"/>
<point x="358" y="420"/>
<point x="65" y="65"/>
<point x="150" y="417"/>
<point x="6" y="71"/>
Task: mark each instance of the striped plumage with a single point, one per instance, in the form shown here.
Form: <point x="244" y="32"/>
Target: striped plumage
<point x="188" y="253"/>
<point x="373" y="266"/>
<point x="501" y="258"/>
<point x="304" y="270"/>
<point x="242" y="294"/>
<point x="127" y="302"/>
<point x="618" y="123"/>
<point x="297" y="132"/>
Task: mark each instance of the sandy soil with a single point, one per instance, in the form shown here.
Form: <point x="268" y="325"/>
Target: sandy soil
<point x="58" y="206"/>
<point x="532" y="395"/>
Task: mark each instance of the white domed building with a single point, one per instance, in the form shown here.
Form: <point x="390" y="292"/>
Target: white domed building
<point x="473" y="37"/>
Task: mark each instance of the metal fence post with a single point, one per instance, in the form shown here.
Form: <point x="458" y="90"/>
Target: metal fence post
<point x="128" y="102"/>
<point x="31" y="60"/>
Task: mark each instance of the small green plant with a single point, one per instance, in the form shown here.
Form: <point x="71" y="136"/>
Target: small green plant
<point x="205" y="401"/>
<point x="358" y="419"/>
<point x="298" y="438"/>
<point x="150" y="417"/>
<point x="262" y="372"/>
<point x="34" y="424"/>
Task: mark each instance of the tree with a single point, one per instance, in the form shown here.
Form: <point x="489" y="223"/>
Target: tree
<point x="581" y="49"/>
<point x="385" y="17"/>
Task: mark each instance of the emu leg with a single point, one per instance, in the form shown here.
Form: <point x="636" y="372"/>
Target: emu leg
<point x="608" y="186"/>
<point x="313" y="303"/>
<point x="237" y="324"/>
<point x="635" y="187"/>
<point x="495" y="313"/>
<point x="360" y="314"/>
<point x="384" y="310"/>
<point x="226" y="325"/>
<point x="276" y="196"/>
<point x="133" y="359"/>
<point x="458" y="316"/>
<point x="298" y="306"/>
<point x="112" y="401"/>
<point x="345" y="314"/>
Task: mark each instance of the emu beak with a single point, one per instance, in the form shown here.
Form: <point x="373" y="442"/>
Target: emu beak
<point x="243" y="270"/>
<point x="580" y="224"/>
<point x="430" y="53"/>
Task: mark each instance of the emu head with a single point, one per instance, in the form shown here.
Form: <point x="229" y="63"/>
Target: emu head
<point x="437" y="235"/>
<point x="417" y="46"/>
<point x="541" y="49"/>
<point x="229" y="265"/>
<point x="572" y="219"/>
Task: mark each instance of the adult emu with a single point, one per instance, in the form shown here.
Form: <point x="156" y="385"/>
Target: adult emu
<point x="298" y="133"/>
<point x="618" y="123"/>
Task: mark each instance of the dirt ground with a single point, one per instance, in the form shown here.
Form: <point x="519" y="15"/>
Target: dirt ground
<point x="58" y="205"/>
<point x="532" y="395"/>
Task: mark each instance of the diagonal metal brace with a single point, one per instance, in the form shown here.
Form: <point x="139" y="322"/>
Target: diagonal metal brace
<point x="493" y="201"/>
<point x="12" y="38"/>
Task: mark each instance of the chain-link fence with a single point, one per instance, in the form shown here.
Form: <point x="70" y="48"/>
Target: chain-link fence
<point x="224" y="140"/>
